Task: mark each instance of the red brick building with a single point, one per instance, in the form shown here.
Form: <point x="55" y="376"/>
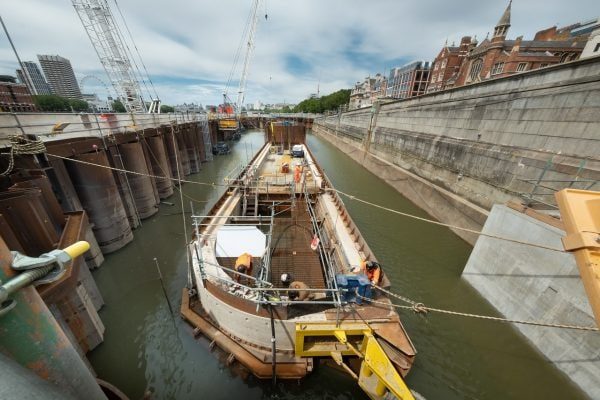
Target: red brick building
<point x="14" y="97"/>
<point x="498" y="57"/>
<point x="447" y="64"/>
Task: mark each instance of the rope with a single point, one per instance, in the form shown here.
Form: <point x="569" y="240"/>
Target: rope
<point x="331" y="190"/>
<point x="20" y="145"/>
<point x="136" y="173"/>
<point x="431" y="221"/>
<point x="423" y="309"/>
<point x="137" y="51"/>
<point x="165" y="173"/>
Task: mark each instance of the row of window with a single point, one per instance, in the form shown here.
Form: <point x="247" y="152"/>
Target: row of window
<point x="497" y="68"/>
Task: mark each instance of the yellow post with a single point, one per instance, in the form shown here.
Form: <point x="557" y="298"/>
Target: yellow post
<point x="580" y="212"/>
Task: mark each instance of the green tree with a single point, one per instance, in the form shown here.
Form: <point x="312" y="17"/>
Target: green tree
<point x="286" y="109"/>
<point x="78" y="105"/>
<point x="118" y="106"/>
<point x="325" y="103"/>
<point x="51" y="102"/>
<point x="166" y="109"/>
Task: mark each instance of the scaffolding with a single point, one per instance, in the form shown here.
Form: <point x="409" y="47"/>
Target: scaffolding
<point x="109" y="43"/>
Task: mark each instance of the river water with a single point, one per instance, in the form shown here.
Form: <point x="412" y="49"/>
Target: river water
<point x="146" y="349"/>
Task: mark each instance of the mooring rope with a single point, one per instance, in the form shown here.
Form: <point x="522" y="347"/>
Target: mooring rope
<point x="352" y="197"/>
<point x="136" y="173"/>
<point x="423" y="309"/>
<point x="431" y="221"/>
<point x="20" y="145"/>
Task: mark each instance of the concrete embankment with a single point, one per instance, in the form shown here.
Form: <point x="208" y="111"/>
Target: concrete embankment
<point x="458" y="153"/>
<point x="533" y="284"/>
<point x="486" y="143"/>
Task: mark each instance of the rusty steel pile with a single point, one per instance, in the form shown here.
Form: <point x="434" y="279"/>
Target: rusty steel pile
<point x="45" y="203"/>
<point x="92" y="183"/>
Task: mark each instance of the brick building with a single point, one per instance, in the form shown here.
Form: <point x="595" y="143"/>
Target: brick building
<point x="498" y="57"/>
<point x="446" y="65"/>
<point x="14" y="97"/>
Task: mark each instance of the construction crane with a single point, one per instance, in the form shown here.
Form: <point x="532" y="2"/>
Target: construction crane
<point x="247" y="38"/>
<point x="249" y="51"/>
<point x="113" y="52"/>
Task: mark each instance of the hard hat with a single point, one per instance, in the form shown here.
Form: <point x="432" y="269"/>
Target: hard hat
<point x="286" y="278"/>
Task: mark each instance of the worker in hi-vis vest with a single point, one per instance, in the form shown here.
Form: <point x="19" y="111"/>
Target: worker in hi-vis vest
<point x="372" y="270"/>
<point x="243" y="265"/>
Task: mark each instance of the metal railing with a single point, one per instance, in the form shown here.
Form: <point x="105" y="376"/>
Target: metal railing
<point x="55" y="126"/>
<point x="260" y="293"/>
<point x="328" y="264"/>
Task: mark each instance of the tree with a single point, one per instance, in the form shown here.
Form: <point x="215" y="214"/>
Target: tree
<point x="78" y="105"/>
<point x="51" y="102"/>
<point x="118" y="106"/>
<point x="166" y="109"/>
<point x="325" y="103"/>
<point x="286" y="109"/>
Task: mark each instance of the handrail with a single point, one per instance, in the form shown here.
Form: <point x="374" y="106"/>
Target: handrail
<point x="260" y="299"/>
<point x="325" y="259"/>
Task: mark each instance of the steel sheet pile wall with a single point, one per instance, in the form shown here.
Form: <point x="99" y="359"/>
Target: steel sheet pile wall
<point x="160" y="166"/>
<point x="100" y="198"/>
<point x="146" y="203"/>
<point x="42" y="208"/>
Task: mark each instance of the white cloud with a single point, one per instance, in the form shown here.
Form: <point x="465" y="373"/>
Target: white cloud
<point x="342" y="41"/>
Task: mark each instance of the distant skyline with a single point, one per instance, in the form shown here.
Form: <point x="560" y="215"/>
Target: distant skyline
<point x="188" y="47"/>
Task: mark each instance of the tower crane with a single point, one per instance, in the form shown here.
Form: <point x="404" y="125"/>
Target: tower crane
<point x="113" y="52"/>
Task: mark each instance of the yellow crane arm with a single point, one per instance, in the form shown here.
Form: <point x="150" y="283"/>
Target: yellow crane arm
<point x="580" y="212"/>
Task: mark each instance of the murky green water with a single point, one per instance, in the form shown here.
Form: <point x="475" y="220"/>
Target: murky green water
<point x="145" y="348"/>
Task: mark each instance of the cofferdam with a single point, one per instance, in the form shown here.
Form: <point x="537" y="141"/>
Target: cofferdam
<point x="148" y="350"/>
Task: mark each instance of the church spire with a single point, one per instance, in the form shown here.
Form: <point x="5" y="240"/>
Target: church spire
<point x="502" y="26"/>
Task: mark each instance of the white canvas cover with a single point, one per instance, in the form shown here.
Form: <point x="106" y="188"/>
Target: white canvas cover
<point x="232" y="241"/>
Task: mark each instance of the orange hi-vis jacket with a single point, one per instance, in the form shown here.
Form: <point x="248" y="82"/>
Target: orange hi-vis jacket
<point x="297" y="173"/>
<point x="373" y="275"/>
<point x="245" y="260"/>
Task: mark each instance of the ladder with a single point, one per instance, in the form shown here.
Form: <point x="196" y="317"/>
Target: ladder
<point x="377" y="377"/>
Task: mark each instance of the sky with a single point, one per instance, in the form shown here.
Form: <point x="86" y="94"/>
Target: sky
<point x="188" y="46"/>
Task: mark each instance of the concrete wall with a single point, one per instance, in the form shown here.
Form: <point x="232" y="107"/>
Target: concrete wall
<point x="459" y="152"/>
<point x="529" y="283"/>
<point x="483" y="141"/>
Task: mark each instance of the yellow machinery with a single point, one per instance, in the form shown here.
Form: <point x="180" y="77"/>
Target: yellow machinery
<point x="228" y="124"/>
<point x="377" y="376"/>
<point x="580" y="213"/>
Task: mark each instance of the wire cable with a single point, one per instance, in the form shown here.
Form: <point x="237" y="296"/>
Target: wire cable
<point x="136" y="49"/>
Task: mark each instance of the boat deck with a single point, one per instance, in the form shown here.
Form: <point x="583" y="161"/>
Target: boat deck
<point x="291" y="252"/>
<point x="272" y="179"/>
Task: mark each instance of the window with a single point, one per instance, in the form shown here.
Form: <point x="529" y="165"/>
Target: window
<point x="521" y="67"/>
<point x="543" y="65"/>
<point x="597" y="47"/>
<point x="497" y="68"/>
<point x="435" y="67"/>
<point x="476" y="69"/>
<point x="444" y="64"/>
<point x="433" y="79"/>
